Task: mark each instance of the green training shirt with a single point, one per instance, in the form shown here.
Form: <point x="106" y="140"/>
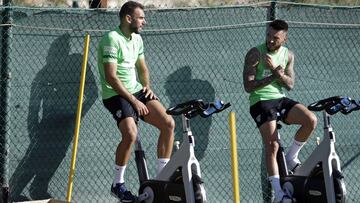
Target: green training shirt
<point x="114" y="47"/>
<point x="274" y="90"/>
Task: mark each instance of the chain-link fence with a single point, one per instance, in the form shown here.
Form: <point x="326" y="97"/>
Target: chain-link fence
<point x="191" y="53"/>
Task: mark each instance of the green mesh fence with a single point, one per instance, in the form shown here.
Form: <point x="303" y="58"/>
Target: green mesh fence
<point x="191" y="53"/>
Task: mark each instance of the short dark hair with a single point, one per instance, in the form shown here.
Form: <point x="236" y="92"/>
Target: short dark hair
<point x="279" y="25"/>
<point x="128" y="8"/>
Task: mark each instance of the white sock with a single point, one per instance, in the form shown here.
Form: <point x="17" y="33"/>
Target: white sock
<point x="275" y="183"/>
<point x="294" y="150"/>
<point x="161" y="163"/>
<point x="119" y="172"/>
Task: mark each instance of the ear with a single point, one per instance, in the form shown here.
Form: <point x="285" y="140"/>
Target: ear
<point x="128" y="18"/>
<point x="286" y="36"/>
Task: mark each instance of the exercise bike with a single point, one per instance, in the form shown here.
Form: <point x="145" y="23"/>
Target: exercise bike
<point x="319" y="178"/>
<point x="180" y="180"/>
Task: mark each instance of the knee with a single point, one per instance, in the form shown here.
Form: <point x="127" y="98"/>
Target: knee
<point x="311" y="121"/>
<point x="271" y="148"/>
<point x="167" y="130"/>
<point x="129" y="136"/>
<point x="169" y="124"/>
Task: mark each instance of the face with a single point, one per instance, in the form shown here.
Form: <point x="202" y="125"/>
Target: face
<point x="275" y="39"/>
<point x="137" y="21"/>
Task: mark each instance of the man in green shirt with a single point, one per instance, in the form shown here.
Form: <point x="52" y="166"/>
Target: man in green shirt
<point x="268" y="69"/>
<point x="121" y="61"/>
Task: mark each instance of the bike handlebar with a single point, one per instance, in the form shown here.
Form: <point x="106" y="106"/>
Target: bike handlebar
<point x="196" y="107"/>
<point x="333" y="105"/>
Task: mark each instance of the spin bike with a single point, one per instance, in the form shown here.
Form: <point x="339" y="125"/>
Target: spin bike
<point x="180" y="180"/>
<point x="319" y="178"/>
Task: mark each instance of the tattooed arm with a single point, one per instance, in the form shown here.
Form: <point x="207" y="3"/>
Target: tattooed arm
<point x="288" y="79"/>
<point x="252" y="59"/>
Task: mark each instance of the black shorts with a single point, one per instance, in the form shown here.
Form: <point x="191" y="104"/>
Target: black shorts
<point x="269" y="110"/>
<point x="121" y="108"/>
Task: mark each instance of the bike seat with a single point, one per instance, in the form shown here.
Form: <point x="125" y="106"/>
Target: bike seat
<point x="197" y="107"/>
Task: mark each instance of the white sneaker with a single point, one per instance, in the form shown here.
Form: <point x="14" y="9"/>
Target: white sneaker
<point x="286" y="199"/>
<point x="293" y="164"/>
<point x="288" y="189"/>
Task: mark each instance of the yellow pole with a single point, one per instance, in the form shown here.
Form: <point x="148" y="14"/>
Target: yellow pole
<point x="78" y="118"/>
<point x="234" y="161"/>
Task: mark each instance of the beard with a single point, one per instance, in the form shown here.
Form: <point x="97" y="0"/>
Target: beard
<point x="272" y="47"/>
<point x="134" y="28"/>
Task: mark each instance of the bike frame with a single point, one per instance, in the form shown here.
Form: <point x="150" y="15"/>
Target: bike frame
<point x="326" y="154"/>
<point x="184" y="157"/>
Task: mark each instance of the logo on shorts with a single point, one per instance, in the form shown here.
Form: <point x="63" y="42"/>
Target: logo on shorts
<point x="258" y="118"/>
<point x="118" y="113"/>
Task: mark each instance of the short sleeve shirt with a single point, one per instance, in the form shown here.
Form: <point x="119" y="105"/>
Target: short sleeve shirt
<point x="114" y="47"/>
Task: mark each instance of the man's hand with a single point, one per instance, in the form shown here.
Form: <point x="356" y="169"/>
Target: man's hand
<point x="269" y="62"/>
<point x="149" y="93"/>
<point x="140" y="107"/>
<point x="278" y="71"/>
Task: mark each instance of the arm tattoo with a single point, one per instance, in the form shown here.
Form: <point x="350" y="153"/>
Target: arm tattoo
<point x="251" y="61"/>
<point x="288" y="79"/>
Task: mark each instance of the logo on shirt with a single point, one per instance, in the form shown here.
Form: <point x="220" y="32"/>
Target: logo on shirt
<point x="267" y="72"/>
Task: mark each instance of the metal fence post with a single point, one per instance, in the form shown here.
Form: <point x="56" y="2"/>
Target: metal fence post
<point x="4" y="82"/>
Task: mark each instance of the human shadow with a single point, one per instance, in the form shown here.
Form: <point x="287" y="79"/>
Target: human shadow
<point x="51" y="119"/>
<point x="181" y="87"/>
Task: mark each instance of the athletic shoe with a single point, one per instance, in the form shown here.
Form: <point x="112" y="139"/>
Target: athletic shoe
<point x="293" y="164"/>
<point x="120" y="192"/>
